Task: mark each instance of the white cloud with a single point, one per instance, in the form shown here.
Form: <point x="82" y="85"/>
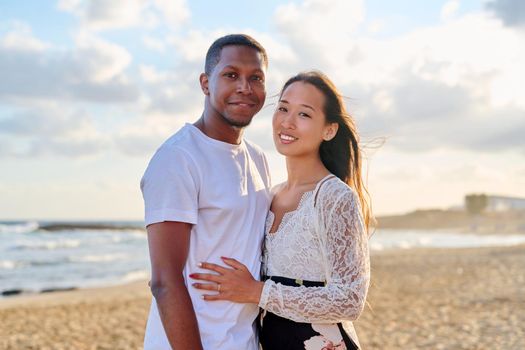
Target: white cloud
<point x="73" y="6"/>
<point x="20" y="38"/>
<point x="192" y="46"/>
<point x="319" y="31"/>
<point x="100" y="60"/>
<point x="424" y="90"/>
<point x="153" y="43"/>
<point x="449" y="10"/>
<point x="418" y="115"/>
<point x="50" y="130"/>
<point x="151" y="75"/>
<point x="175" y="12"/>
<point x="443" y="177"/>
<point x="454" y="85"/>
<point x="450" y="52"/>
<point x="69" y="196"/>
<point x="376" y="26"/>
<point x="93" y="70"/>
<point x="100" y="15"/>
<point x="176" y="92"/>
<point x="447" y="97"/>
<point x="511" y="12"/>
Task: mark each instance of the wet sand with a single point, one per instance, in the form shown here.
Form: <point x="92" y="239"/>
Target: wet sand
<point x="419" y="299"/>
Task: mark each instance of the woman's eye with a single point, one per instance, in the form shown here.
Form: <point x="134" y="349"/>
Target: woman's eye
<point x="282" y="109"/>
<point x="258" y="78"/>
<point x="302" y="114"/>
<point x="230" y="75"/>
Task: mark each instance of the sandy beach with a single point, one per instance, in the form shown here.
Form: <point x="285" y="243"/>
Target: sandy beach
<point x="446" y="299"/>
<point x="419" y="299"/>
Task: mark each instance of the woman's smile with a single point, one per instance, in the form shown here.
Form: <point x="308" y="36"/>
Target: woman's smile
<point x="287" y="139"/>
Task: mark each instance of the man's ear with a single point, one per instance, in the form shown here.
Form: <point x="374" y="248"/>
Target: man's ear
<point x="204" y="81"/>
<point x="330" y="131"/>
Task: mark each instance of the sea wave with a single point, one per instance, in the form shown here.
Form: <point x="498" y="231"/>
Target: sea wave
<point x="100" y="258"/>
<point x="48" y="262"/>
<point x="21" y="227"/>
<point x="10" y="264"/>
<point x="136" y="275"/>
<point x="394" y="239"/>
<point x="92" y="226"/>
<point x="43" y="245"/>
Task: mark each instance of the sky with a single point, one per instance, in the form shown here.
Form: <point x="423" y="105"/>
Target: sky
<point x="89" y="90"/>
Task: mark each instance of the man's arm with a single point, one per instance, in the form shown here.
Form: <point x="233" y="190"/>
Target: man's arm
<point x="168" y="246"/>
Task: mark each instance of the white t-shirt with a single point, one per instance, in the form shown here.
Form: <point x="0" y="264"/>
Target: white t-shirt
<point x="224" y="191"/>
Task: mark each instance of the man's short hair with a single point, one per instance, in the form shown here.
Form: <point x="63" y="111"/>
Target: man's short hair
<point x="214" y="52"/>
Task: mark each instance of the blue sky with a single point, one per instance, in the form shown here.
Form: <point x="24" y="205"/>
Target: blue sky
<point x="91" y="88"/>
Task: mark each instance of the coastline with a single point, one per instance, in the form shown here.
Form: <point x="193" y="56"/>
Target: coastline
<point x="504" y="222"/>
<point x="126" y="291"/>
<point x="419" y="299"/>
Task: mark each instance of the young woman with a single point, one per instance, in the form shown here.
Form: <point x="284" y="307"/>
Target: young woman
<point x="316" y="269"/>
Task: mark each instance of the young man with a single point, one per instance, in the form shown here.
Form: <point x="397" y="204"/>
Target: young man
<point x="206" y="195"/>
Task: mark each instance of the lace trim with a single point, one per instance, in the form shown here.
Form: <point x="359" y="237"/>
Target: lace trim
<point x="303" y="198"/>
<point x="286" y="215"/>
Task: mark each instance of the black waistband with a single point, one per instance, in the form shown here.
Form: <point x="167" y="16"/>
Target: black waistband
<point x="294" y="282"/>
<point x="350" y="344"/>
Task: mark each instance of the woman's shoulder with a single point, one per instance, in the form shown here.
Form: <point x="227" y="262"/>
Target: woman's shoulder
<point x="335" y="194"/>
<point x="334" y="188"/>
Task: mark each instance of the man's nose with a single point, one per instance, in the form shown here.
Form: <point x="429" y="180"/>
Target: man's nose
<point x="244" y="86"/>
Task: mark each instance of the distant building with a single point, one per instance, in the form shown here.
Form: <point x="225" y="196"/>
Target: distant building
<point x="501" y="203"/>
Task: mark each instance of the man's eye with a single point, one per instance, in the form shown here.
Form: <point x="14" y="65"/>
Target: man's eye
<point x="230" y="75"/>
<point x="257" y="78"/>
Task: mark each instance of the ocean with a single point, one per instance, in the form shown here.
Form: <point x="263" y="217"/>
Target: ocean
<point x="46" y="256"/>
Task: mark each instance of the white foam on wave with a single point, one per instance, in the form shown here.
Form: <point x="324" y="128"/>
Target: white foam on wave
<point x="392" y="239"/>
<point x="7" y="264"/>
<point x="18" y="228"/>
<point x="46" y="245"/>
<point x="136" y="275"/>
<point x="100" y="258"/>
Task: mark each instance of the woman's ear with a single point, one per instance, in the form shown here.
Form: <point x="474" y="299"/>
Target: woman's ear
<point x="203" y="79"/>
<point x="330" y="131"/>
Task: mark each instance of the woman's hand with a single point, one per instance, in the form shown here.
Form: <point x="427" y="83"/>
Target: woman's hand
<point x="236" y="284"/>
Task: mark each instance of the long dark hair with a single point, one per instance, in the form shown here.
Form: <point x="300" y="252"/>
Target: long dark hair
<point x="341" y="155"/>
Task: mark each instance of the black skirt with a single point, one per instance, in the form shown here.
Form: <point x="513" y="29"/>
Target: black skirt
<point x="278" y="333"/>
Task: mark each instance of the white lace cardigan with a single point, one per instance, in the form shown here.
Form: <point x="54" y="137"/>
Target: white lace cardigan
<point x="322" y="242"/>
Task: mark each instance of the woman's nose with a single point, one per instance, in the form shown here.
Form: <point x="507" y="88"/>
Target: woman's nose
<point x="287" y="121"/>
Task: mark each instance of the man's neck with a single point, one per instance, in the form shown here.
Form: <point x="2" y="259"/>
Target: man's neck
<point x="219" y="131"/>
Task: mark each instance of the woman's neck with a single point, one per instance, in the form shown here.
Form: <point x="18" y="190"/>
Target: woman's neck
<point x="304" y="171"/>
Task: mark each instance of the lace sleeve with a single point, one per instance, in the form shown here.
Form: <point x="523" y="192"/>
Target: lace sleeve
<point x="348" y="268"/>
